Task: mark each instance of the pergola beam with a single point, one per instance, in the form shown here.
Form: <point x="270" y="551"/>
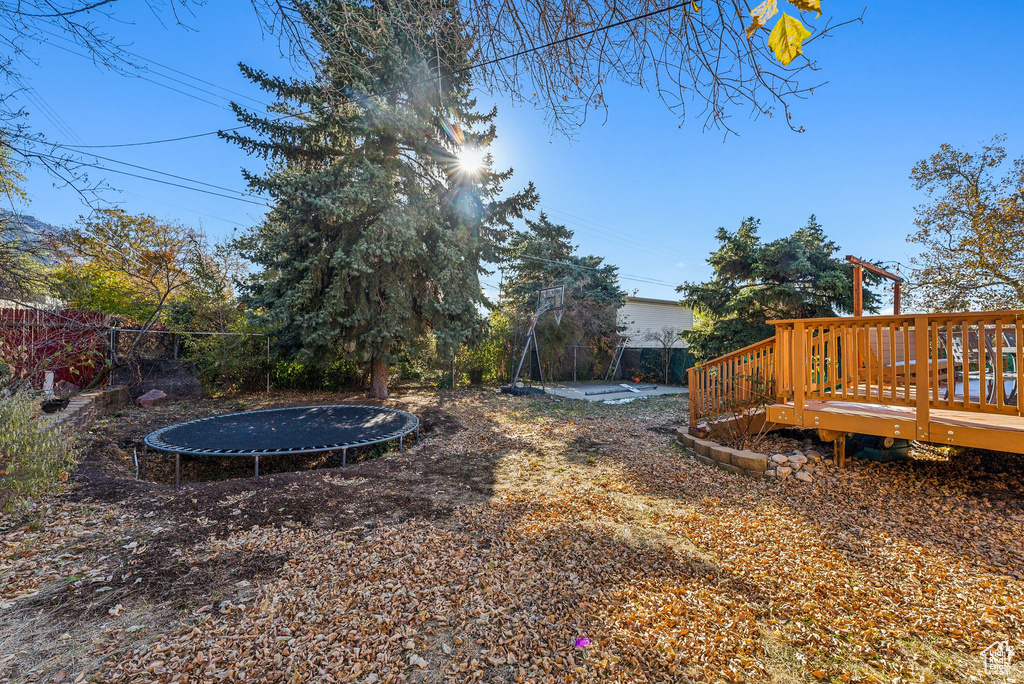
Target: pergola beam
<point x="859" y="266"/>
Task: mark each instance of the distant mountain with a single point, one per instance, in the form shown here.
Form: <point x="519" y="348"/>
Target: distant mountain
<point x="23" y="226"/>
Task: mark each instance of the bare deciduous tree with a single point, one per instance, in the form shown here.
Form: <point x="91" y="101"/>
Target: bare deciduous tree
<point x="666" y="338"/>
<point x="560" y="56"/>
<point x="971" y="231"/>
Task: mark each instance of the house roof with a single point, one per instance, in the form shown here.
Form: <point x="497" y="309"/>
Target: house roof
<point x="648" y="300"/>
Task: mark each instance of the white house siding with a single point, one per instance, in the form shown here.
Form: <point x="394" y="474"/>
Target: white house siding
<point x="640" y="316"/>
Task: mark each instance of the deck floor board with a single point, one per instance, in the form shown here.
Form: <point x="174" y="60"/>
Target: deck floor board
<point x="960" y="428"/>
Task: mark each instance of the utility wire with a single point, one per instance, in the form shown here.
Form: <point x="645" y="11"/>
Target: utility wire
<point x="158" y="83"/>
<point x="623" y="276"/>
<point x="163" y="173"/>
<point x="134" y="166"/>
<point x="613" y="233"/>
<point x="145" y="66"/>
<point x="615" y="240"/>
<point x="60" y="160"/>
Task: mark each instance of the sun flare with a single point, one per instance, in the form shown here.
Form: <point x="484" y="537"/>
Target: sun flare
<point x="472" y="159"/>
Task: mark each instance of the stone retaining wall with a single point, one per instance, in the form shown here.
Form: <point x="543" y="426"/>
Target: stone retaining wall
<point x="740" y="462"/>
<point x="86" y="407"/>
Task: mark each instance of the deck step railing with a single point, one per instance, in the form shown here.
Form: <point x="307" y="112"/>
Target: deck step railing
<point x="732" y="383"/>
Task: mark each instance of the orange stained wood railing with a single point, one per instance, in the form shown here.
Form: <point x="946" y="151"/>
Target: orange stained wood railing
<point x="956" y="361"/>
<point x="729" y="382"/>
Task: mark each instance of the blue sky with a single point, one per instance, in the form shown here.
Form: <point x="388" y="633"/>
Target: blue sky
<point x="638" y="190"/>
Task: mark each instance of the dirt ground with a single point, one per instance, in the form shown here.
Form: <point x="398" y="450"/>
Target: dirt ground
<point x="522" y="539"/>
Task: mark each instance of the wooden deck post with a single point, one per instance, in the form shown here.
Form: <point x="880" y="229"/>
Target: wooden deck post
<point x="799" y="372"/>
<point x="691" y="375"/>
<point x="858" y="290"/>
<point x="922" y="371"/>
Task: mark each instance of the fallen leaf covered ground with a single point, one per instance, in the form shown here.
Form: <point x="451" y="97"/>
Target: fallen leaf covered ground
<point x="521" y="540"/>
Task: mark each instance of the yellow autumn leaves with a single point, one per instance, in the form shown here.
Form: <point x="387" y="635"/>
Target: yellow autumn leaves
<point x="789" y="34"/>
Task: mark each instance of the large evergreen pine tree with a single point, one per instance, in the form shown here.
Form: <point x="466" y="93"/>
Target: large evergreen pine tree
<point x="379" y="227"/>
<point x="795" y="276"/>
<point x="544" y="255"/>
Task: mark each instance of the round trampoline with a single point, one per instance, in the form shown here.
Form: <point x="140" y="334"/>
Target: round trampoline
<point x="295" y="430"/>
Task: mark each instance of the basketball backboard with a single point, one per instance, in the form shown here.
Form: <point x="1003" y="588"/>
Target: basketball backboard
<point x="551" y="299"/>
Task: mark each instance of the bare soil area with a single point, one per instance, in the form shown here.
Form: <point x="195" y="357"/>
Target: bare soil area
<point x="515" y="528"/>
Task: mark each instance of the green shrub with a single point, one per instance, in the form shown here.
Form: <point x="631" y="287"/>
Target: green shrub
<point x="236" y="363"/>
<point x="293" y="375"/>
<point x="32" y="461"/>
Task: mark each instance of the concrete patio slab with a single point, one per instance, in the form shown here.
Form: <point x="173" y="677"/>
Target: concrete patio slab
<point x="578" y="390"/>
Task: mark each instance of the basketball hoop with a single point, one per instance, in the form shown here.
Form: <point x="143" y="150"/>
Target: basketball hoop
<point x="548" y="299"/>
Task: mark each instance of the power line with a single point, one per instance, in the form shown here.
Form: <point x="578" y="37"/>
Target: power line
<point x="59" y="160"/>
<point x="163" y="173"/>
<point x="622" y="276"/>
<point x="613" y="233"/>
<point x="188" y="209"/>
<point x="47" y="111"/>
<point x="134" y="166"/>
<point x="145" y="66"/>
<point x="489" y="62"/>
<point x="157" y="142"/>
<point x="155" y="82"/>
<point x="613" y="239"/>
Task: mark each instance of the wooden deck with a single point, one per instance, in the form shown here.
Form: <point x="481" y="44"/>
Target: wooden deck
<point x="958" y="428"/>
<point x="948" y="378"/>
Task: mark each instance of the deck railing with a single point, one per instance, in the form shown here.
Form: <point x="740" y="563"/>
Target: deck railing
<point x="959" y="361"/>
<point x="731" y="382"/>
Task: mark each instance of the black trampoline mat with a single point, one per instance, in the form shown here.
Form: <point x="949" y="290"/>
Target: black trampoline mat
<point x="292" y="430"/>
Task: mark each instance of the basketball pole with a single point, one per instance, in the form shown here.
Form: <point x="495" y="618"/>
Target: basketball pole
<point x="543" y="306"/>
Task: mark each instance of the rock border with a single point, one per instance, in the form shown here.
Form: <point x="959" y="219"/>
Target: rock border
<point x="798" y="465"/>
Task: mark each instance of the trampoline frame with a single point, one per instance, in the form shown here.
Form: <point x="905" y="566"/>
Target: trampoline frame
<point x="153" y="441"/>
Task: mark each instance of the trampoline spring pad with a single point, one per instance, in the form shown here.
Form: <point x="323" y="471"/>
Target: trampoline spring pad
<point x="293" y="430"/>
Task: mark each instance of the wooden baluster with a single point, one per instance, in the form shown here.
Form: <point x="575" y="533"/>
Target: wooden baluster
<point x="780" y="345"/>
<point x="982" y="362"/>
<point x="921" y="376"/>
<point x="892" y="362"/>
<point x="951" y="366"/>
<point x="866" y="341"/>
<point x="833" y="361"/>
<point x="965" y="346"/>
<point x="1019" y="342"/>
<point x="998" y="379"/>
<point x="857" y="358"/>
<point x="691" y="380"/>
<point x="882" y="362"/>
<point x="844" y="360"/>
<point x="822" y="363"/>
<point x="918" y="367"/>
